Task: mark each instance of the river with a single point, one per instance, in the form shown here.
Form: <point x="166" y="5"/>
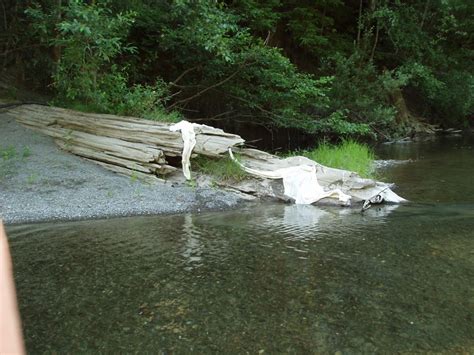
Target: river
<point x="271" y="278"/>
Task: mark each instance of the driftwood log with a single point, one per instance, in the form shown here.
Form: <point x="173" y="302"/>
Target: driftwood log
<point x="144" y="149"/>
<point x="127" y="145"/>
<point x="360" y="189"/>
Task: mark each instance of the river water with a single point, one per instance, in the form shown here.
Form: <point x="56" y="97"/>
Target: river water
<point x="268" y="278"/>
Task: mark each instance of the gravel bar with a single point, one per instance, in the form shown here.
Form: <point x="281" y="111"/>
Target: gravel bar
<point x="39" y="183"/>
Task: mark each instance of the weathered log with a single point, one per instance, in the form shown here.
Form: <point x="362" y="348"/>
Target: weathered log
<point x="210" y="141"/>
<point x="159" y="168"/>
<point x="111" y="146"/>
<point x="300" y="183"/>
<point x="137" y="147"/>
<point x="360" y="189"/>
<point x="128" y="143"/>
<point x="134" y="175"/>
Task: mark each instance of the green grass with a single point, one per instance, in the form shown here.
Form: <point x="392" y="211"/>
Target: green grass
<point x="10" y="159"/>
<point x="7" y="153"/>
<point x="223" y="169"/>
<point x="7" y="161"/>
<point x="79" y="106"/>
<point x="349" y="155"/>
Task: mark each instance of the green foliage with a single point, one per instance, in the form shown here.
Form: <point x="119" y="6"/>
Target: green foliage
<point x="223" y="169"/>
<point x="456" y="102"/>
<point x="350" y="155"/>
<point x="10" y="157"/>
<point x="8" y="153"/>
<point x="26" y="152"/>
<point x="338" y="123"/>
<point x="202" y="26"/>
<point x="260" y="16"/>
<point x="250" y="78"/>
<point x="423" y="77"/>
<point x="32" y="179"/>
<point x="359" y="97"/>
<point x="326" y="67"/>
<point x="273" y="91"/>
<point x="91" y="38"/>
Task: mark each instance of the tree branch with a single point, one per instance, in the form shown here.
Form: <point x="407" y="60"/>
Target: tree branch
<point x="222" y="82"/>
<point x="260" y="108"/>
<point x="267" y="40"/>
<point x="5" y="22"/>
<point x="359" y="24"/>
<point x="425" y="12"/>
<point x="377" y="30"/>
<point x="173" y="83"/>
<point x="217" y="117"/>
<point x="21" y="48"/>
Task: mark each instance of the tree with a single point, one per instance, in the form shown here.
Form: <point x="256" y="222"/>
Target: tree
<point x="331" y="67"/>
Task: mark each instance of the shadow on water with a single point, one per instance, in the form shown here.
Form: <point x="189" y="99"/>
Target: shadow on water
<point x="278" y="278"/>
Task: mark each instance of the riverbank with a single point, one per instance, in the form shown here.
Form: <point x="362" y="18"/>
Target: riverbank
<point x="39" y="183"/>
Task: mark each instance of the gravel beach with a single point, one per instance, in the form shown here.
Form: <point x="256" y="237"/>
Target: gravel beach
<point x="39" y="182"/>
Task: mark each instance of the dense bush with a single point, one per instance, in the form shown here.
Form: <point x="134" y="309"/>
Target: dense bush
<point x="91" y="39"/>
<point x="330" y="67"/>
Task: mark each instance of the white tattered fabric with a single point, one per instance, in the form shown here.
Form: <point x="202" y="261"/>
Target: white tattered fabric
<point x="300" y="183"/>
<point x="189" y="141"/>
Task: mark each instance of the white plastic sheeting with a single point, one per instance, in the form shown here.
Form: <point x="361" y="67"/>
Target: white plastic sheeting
<point x="189" y="141"/>
<point x="360" y="189"/>
<point x="300" y="183"/>
<point x="299" y="175"/>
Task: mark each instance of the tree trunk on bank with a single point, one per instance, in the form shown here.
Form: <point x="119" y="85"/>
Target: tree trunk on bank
<point x="149" y="150"/>
<point x="127" y="145"/>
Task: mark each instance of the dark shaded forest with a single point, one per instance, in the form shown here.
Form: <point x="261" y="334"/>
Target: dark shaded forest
<point x="369" y="69"/>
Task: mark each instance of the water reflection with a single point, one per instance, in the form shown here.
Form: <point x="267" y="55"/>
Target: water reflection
<point x="440" y="171"/>
<point x="277" y="278"/>
<point x="193" y="247"/>
<point x="297" y="217"/>
<point x="307" y="221"/>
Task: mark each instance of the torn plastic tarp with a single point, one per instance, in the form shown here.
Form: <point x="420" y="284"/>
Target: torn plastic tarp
<point x="189" y="141"/>
<point x="299" y="182"/>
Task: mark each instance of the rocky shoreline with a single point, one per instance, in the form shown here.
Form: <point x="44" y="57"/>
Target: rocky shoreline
<point x="40" y="183"/>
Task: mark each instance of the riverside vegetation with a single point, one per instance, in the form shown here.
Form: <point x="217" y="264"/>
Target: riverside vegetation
<point x="332" y="67"/>
<point x="348" y="155"/>
<point x="10" y="158"/>
<point x="366" y="70"/>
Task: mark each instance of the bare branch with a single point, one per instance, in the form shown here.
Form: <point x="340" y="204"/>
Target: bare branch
<point x="217" y="117"/>
<point x="267" y="40"/>
<point x="21" y="48"/>
<point x="359" y="24"/>
<point x="5" y="22"/>
<point x="377" y="30"/>
<point x="425" y="12"/>
<point x="222" y="82"/>
<point x="260" y="108"/>
<point x="174" y="94"/>
<point x="173" y="83"/>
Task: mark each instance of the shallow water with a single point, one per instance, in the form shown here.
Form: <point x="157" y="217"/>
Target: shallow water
<point x="277" y="278"/>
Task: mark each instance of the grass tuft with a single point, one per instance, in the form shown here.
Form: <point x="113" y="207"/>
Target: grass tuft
<point x="7" y="161"/>
<point x="224" y="169"/>
<point x="10" y="159"/>
<point x="350" y="155"/>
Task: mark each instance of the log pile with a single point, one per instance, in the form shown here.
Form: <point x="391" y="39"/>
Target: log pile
<point x="126" y="145"/>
